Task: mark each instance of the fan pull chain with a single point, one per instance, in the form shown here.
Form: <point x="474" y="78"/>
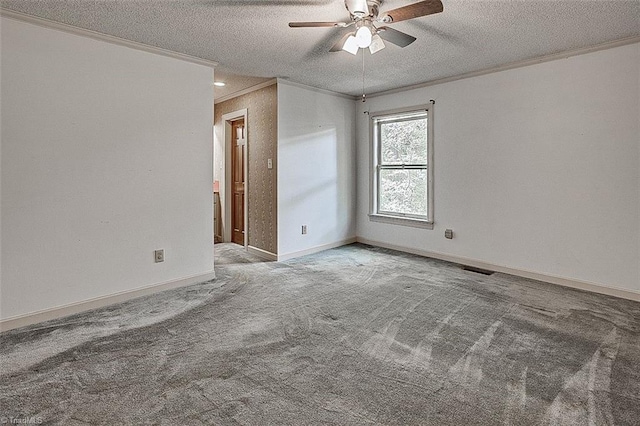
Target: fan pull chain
<point x="364" y="97"/>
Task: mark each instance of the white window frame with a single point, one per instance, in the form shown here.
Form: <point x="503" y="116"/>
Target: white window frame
<point x="375" y="153"/>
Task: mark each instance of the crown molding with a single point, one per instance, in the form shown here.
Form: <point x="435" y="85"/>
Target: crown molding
<point x="245" y="91"/>
<point x="512" y="65"/>
<point x="287" y="82"/>
<point x="47" y="23"/>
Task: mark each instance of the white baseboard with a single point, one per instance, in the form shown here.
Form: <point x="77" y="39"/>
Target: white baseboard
<point x="566" y="282"/>
<point x="316" y="249"/>
<point x="266" y="255"/>
<point x="99" y="302"/>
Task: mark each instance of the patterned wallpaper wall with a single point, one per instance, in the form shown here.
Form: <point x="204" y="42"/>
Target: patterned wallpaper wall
<point x="262" y="141"/>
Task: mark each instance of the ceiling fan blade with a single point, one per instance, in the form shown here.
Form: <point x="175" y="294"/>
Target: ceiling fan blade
<point x="396" y="37"/>
<point x="338" y="46"/>
<point x="316" y="24"/>
<point x="416" y="10"/>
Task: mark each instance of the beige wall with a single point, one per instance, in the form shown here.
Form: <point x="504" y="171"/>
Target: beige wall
<point x="540" y="174"/>
<point x="81" y="162"/>
<point x="262" y="140"/>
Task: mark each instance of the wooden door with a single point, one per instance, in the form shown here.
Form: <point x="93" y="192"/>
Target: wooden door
<point x="237" y="181"/>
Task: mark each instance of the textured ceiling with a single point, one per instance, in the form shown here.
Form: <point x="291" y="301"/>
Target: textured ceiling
<point x="250" y="38"/>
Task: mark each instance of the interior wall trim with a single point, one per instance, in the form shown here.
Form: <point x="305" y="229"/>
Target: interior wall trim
<point x="551" y="279"/>
<point x="245" y="91"/>
<point x="512" y="65"/>
<point x="317" y="90"/>
<point x="316" y="249"/>
<point x="99" y="302"/>
<point x="228" y="139"/>
<point x="266" y="255"/>
<point x="47" y="23"/>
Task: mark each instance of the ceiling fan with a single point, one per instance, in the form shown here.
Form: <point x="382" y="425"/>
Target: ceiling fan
<point x="365" y="14"/>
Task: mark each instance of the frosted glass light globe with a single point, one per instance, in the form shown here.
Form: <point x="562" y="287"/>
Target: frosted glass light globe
<point x="363" y="37"/>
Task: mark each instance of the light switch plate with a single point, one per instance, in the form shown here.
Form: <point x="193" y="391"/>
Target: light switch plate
<point x="269" y="164"/>
<point x="159" y="255"/>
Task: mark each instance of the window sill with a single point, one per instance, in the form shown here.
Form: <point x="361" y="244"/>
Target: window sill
<point x="404" y="221"/>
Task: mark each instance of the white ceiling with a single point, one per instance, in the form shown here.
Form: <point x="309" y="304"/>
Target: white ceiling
<point x="250" y="39"/>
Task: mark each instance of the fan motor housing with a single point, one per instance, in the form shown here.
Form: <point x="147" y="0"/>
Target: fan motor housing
<point x="358" y="10"/>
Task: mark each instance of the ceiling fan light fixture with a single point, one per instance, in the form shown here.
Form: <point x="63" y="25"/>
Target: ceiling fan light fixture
<point x="351" y="45"/>
<point x="363" y="36"/>
<point x="376" y="44"/>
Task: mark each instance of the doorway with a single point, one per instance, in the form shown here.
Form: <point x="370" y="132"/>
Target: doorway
<point x="236" y="184"/>
<point x="237" y="180"/>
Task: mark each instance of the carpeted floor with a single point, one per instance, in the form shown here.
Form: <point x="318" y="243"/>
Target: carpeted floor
<point x="354" y="335"/>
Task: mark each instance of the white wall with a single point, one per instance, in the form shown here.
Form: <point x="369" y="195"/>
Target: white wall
<point x="106" y="156"/>
<point x="536" y="168"/>
<point x="316" y="164"/>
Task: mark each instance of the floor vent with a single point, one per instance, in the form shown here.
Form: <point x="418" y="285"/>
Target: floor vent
<point x="477" y="270"/>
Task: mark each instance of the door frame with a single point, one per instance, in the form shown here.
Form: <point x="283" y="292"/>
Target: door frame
<point x="228" y="140"/>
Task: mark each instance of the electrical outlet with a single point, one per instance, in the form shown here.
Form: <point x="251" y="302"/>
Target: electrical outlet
<point x="159" y="255"/>
<point x="304" y="229"/>
<point x="448" y="233"/>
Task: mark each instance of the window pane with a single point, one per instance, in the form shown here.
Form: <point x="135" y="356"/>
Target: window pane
<point x="403" y="191"/>
<point x="404" y="142"/>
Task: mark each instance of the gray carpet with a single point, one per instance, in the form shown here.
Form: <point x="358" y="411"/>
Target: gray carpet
<point x="354" y="335"/>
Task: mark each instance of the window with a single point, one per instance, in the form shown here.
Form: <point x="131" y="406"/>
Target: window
<point x="402" y="175"/>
